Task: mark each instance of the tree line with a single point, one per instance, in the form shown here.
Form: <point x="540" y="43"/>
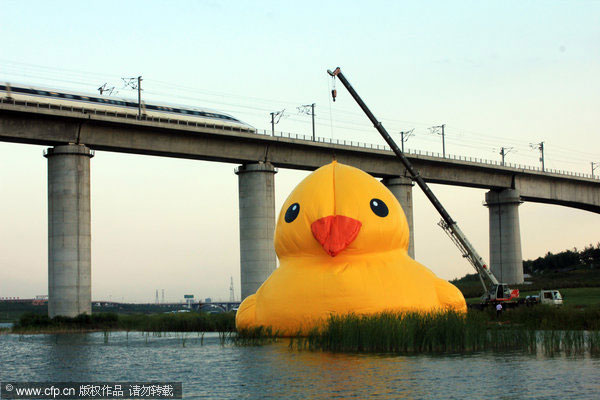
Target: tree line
<point x="588" y="257"/>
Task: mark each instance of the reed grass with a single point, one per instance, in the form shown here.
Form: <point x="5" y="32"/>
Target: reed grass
<point x="594" y="343"/>
<point x="399" y="333"/>
<point x="255" y="336"/>
<point x="416" y="333"/>
<point x="545" y="317"/>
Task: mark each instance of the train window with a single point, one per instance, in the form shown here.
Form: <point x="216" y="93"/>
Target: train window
<point x="42" y="93"/>
<point x="69" y="96"/>
<point x="54" y="94"/>
<point x="84" y="97"/>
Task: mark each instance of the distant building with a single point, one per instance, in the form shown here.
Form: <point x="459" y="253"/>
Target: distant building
<point x="189" y="300"/>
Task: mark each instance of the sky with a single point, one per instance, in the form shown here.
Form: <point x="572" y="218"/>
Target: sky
<point x="498" y="74"/>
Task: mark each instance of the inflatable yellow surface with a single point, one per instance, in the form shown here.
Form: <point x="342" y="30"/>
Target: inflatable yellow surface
<point x="342" y="240"/>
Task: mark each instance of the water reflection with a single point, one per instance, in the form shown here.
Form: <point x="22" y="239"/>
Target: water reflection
<point x="68" y="355"/>
<point x="347" y="375"/>
<point x="274" y="371"/>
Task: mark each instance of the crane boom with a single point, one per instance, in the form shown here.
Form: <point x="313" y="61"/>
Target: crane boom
<point x="447" y="223"/>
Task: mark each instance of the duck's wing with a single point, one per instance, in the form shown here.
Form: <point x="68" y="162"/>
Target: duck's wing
<point x="246" y="315"/>
<point x="449" y="296"/>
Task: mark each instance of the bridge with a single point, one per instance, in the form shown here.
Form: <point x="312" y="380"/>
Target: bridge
<point x="76" y="133"/>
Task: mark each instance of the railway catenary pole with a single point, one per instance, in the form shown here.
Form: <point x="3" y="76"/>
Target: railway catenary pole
<point x="540" y="147"/>
<point x="443" y="141"/>
<point x="139" y="88"/>
<point x="542" y="157"/>
<point x="312" y="106"/>
<point x="402" y="140"/>
<point x="456" y="234"/>
<point x="404" y="137"/>
<point x="443" y="137"/>
<point x="272" y="124"/>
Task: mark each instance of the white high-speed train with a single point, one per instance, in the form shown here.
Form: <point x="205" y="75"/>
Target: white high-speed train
<point x="121" y="105"/>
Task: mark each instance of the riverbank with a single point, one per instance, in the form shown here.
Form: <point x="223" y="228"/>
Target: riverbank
<point x="11" y="311"/>
<point x="30" y="323"/>
<point x="528" y="329"/>
<point x="538" y="317"/>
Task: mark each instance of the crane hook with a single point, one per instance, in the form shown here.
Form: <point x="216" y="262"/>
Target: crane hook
<point x="333" y="74"/>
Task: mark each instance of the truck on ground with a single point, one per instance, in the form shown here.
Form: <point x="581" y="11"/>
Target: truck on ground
<point x="549" y="297"/>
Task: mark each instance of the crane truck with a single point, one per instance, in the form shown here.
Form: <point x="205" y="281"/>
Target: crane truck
<point x="494" y="291"/>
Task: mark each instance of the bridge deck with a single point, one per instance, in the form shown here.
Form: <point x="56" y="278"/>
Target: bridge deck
<point x="42" y="124"/>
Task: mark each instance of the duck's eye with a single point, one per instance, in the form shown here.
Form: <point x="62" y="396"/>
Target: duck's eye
<point x="379" y="208"/>
<point x="292" y="212"/>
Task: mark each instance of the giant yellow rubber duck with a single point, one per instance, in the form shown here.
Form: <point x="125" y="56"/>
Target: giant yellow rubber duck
<point x="342" y="240"/>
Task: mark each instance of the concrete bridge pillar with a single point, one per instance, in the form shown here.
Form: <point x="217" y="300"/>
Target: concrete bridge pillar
<point x="506" y="260"/>
<point x="257" y="224"/>
<point x="401" y="187"/>
<point x="69" y="235"/>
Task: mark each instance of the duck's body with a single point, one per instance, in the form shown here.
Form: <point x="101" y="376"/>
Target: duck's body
<point x="338" y="257"/>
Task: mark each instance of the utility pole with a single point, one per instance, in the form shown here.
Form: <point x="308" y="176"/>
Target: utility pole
<point x="139" y="88"/>
<point x="404" y="136"/>
<point x="312" y="106"/>
<point x="540" y="147"/>
<point x="595" y="165"/>
<point x="231" y="292"/>
<point x="272" y="124"/>
<point x="131" y="83"/>
<point x="434" y="129"/>
<point x="309" y="109"/>
<point x="504" y="151"/>
<point x="275" y="114"/>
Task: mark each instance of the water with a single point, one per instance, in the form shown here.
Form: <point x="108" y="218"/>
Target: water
<point x="213" y="371"/>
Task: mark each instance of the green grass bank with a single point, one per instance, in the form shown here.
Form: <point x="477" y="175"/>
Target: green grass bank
<point x="169" y="322"/>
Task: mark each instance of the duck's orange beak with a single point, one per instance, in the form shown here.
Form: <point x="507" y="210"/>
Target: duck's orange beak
<point x="335" y="232"/>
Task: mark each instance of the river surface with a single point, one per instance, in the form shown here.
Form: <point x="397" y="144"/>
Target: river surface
<point x="213" y="371"/>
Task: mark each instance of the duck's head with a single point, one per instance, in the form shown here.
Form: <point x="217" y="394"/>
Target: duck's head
<point x="340" y="210"/>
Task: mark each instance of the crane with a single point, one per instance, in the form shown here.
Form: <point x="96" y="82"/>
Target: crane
<point x="494" y="291"/>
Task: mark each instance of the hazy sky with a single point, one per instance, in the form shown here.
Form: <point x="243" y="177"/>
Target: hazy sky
<point x="498" y="74"/>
